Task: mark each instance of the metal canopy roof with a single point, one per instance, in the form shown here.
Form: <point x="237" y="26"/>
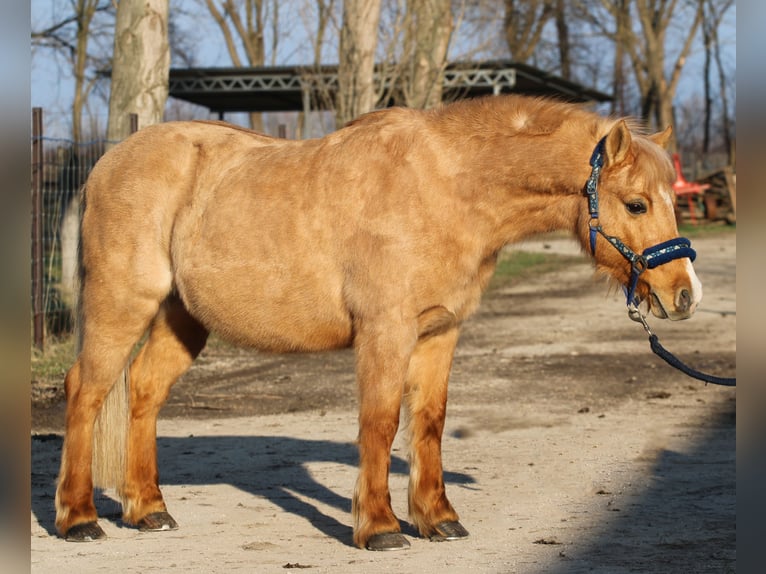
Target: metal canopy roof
<point x="299" y="88"/>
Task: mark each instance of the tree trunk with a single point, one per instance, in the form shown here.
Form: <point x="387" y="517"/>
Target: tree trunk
<point x="726" y="121"/>
<point x="141" y="65"/>
<point x="562" y="31"/>
<point x="321" y="95"/>
<point x="712" y="21"/>
<point x="622" y="38"/>
<point x="85" y="10"/>
<point x="707" y="40"/>
<point x="657" y="89"/>
<point x="356" y="61"/>
<point x="251" y="32"/>
<point x="429" y="35"/>
<point x="524" y="22"/>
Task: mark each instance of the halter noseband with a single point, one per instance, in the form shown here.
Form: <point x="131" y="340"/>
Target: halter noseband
<point x="650" y="257"/>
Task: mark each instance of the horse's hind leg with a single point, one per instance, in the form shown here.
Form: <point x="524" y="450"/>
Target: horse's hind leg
<point x="174" y="341"/>
<point x="426" y="399"/>
<point x="113" y="322"/>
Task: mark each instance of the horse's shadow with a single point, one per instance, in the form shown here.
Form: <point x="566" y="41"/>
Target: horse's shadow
<point x="274" y="468"/>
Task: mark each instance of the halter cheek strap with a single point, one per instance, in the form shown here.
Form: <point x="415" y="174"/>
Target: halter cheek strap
<point x="650" y="257"/>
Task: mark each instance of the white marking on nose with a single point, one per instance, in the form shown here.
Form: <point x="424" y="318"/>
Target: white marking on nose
<point x="696" y="284"/>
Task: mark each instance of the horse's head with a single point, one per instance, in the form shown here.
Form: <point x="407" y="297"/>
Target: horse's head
<point x="631" y="216"/>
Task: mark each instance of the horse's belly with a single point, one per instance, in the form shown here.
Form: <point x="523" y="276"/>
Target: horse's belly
<point x="275" y="311"/>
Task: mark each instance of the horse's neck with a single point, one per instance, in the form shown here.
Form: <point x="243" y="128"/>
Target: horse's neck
<point x="529" y="185"/>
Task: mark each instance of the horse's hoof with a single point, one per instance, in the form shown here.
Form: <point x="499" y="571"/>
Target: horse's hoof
<point x="388" y="541"/>
<point x="157" y="521"/>
<point x="86" y="532"/>
<point x="449" y="531"/>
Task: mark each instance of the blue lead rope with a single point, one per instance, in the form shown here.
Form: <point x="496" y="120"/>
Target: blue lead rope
<point x="673" y="361"/>
<point x="650" y="258"/>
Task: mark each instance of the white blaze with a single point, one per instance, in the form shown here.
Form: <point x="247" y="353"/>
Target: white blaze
<point x="696" y="284"/>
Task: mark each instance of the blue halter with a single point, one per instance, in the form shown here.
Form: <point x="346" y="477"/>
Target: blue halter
<point x="651" y="257"/>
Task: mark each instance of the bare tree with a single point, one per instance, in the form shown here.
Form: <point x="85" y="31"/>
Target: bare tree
<point x="657" y="89"/>
<point x="318" y="94"/>
<point x="714" y="14"/>
<point x="428" y="33"/>
<point x="251" y="32"/>
<point x="183" y="44"/>
<point x="414" y="42"/>
<point x="141" y="65"/>
<point x="325" y="10"/>
<point x="524" y="23"/>
<point x="562" y="19"/>
<point x="247" y="20"/>
<point x="479" y="31"/>
<point x="623" y="36"/>
<point x="85" y="11"/>
<point x="71" y="36"/>
<point x="356" y="61"/>
<point x="646" y="45"/>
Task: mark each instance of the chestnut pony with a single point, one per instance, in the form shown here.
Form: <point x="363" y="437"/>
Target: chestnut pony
<point x="380" y="236"/>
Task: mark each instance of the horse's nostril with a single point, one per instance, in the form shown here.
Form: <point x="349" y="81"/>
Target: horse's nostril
<point x="684" y="301"/>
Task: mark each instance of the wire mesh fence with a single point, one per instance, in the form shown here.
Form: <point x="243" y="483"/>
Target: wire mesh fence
<point x="60" y="167"/>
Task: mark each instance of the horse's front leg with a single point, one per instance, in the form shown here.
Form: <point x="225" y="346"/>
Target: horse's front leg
<point x="382" y="355"/>
<point x="426" y="398"/>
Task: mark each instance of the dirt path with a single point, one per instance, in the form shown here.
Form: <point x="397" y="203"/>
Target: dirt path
<point x="569" y="448"/>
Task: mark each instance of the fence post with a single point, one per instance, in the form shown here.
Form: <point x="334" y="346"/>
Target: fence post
<point x="133" y="123"/>
<point x="38" y="301"/>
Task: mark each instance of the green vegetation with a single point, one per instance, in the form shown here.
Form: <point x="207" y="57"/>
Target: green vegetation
<point x="513" y="266"/>
<point x="50" y="366"/>
<point x="705" y="229"/>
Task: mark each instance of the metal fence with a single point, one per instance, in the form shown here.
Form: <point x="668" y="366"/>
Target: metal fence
<point x="59" y="169"/>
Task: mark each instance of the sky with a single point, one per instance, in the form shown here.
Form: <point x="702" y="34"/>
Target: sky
<point x="52" y="86"/>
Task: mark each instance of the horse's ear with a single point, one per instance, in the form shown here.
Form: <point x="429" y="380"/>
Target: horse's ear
<point x="662" y="138"/>
<point x="617" y="143"/>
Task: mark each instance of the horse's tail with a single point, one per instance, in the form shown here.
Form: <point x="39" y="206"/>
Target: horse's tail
<point x="110" y="436"/>
<point x="111" y="428"/>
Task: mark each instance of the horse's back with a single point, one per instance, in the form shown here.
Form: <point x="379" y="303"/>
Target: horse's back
<point x="147" y="178"/>
<point x="282" y="244"/>
<point x="211" y="212"/>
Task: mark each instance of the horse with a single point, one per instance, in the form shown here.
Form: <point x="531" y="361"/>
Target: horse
<point x="381" y="236"/>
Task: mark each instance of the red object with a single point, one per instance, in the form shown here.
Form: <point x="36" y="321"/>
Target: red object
<point x="688" y="189"/>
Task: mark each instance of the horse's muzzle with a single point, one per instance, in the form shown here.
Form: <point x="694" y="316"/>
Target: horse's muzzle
<point x="682" y="307"/>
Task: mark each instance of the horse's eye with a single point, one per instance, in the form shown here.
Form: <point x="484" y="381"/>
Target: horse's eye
<point x="636" y="207"/>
